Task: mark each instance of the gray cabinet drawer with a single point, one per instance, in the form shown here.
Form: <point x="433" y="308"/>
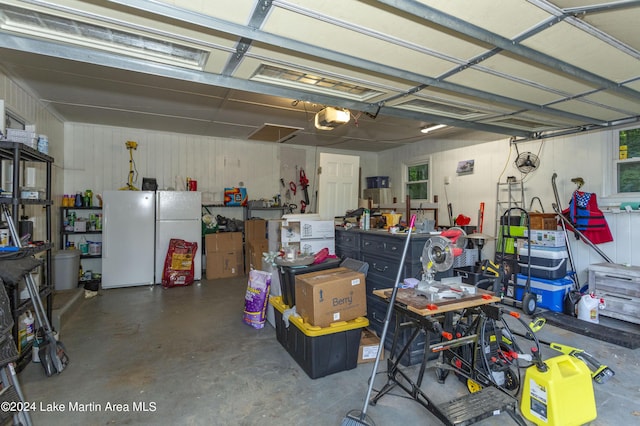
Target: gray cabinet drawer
<point x="616" y="282"/>
<point x="347" y="239"/>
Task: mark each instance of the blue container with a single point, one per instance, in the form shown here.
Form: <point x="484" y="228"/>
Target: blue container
<point x="550" y="293"/>
<point x="377" y="182"/>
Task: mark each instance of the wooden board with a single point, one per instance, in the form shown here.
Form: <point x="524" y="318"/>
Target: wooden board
<point x="420" y="305"/>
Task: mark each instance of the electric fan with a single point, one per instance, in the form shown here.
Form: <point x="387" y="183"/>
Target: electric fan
<point x="526" y="162"/>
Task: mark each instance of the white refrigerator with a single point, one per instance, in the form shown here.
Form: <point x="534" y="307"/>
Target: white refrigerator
<point x="137" y="227"/>
<point x="128" y="232"/>
<point x="178" y="215"/>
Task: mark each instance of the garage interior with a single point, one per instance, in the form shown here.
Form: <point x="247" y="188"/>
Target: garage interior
<point x="510" y="109"/>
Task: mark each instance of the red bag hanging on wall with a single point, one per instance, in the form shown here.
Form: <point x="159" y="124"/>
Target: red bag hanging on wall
<point x="178" y="264"/>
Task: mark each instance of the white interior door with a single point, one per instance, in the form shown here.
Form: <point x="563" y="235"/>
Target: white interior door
<point x="337" y="184"/>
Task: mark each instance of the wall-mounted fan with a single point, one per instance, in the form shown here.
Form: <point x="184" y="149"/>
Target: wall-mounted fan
<point x="526" y="162"/>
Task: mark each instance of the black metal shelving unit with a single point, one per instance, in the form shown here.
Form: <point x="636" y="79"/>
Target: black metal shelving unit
<point x="64" y="235"/>
<point x="20" y="154"/>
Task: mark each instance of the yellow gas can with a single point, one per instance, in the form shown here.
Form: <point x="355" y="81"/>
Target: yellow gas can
<point x="562" y="395"/>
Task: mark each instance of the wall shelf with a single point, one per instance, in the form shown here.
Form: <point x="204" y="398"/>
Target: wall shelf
<point x="19" y="154"/>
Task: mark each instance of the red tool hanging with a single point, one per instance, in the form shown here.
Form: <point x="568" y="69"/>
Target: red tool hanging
<point x="304" y="183"/>
<point x="303" y="206"/>
<point x="293" y="187"/>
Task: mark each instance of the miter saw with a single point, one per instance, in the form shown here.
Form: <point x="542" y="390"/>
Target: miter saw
<point x="437" y="256"/>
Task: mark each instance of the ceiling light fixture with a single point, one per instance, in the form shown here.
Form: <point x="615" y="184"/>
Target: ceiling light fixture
<point x="329" y="118"/>
<point x="432" y="128"/>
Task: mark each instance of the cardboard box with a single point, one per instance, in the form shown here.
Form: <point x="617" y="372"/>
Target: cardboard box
<point x="547" y="238"/>
<point x="223" y="242"/>
<point x="329" y="296"/>
<point x="290" y="232"/>
<point x="253" y="254"/>
<point x="369" y="345"/>
<point x="314" y="246"/>
<point x="317" y="229"/>
<point x="255" y="229"/>
<point x="545" y="221"/>
<point x="224" y="265"/>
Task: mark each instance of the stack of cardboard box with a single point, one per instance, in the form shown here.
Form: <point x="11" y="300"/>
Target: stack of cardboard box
<point x="224" y="255"/>
<point x="256" y="243"/>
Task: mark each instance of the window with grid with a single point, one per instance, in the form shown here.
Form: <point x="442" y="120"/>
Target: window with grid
<point x="628" y="163"/>
<point x="417" y="181"/>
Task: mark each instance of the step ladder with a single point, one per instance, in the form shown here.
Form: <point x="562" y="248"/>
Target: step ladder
<point x="472" y="408"/>
<point x="508" y="194"/>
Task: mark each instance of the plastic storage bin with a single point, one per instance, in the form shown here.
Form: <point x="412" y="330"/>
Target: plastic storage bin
<point x="319" y="351"/>
<point x="66" y="265"/>
<point x="550" y="294"/>
<point x="549" y="263"/>
<point x="288" y="278"/>
<point x="377" y="182"/>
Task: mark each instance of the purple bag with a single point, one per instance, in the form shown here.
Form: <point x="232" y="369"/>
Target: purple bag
<point x="256" y="298"/>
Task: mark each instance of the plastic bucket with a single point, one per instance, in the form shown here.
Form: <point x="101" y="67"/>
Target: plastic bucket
<point x="66" y="265"/>
<point x="588" y="306"/>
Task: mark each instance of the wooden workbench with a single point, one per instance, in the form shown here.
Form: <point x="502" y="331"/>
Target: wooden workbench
<point x="410" y="300"/>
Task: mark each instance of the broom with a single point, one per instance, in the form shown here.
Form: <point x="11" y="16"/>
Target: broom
<point x="353" y="418"/>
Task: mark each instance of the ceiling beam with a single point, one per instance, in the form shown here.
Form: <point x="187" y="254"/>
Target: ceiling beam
<point x="184" y="15"/>
<point x="435" y="16"/>
<point x="112" y="60"/>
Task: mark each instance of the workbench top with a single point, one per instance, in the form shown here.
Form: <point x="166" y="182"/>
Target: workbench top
<point x="420" y="305"/>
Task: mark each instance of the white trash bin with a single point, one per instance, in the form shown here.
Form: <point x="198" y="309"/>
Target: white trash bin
<point x="66" y="266"/>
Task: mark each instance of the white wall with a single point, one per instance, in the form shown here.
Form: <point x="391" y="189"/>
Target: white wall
<point x="96" y="158"/>
<point x="21" y="102"/>
<point x="587" y="155"/>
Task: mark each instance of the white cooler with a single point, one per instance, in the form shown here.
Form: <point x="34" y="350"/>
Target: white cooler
<point x="549" y="263"/>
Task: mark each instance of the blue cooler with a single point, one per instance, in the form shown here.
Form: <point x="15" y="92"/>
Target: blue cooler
<point x="549" y="263"/>
<point x="549" y="293"/>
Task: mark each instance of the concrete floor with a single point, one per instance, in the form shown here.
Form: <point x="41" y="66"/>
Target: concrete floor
<point x="185" y="356"/>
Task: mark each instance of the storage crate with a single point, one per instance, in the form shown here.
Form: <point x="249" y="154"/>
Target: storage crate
<point x="550" y="294"/>
<point x="549" y="263"/>
<point x="377" y="182"/>
<point x="472" y="275"/>
<point x="319" y="351"/>
<point x="544" y="221"/>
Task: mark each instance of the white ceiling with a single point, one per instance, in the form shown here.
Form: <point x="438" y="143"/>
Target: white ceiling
<point x="518" y="68"/>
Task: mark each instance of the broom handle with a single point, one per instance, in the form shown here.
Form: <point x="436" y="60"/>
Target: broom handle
<point x="387" y="319"/>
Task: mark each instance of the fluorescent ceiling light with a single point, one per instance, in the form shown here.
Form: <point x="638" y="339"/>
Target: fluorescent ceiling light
<point x="432" y="128"/>
<point x="43" y="25"/>
<point x="314" y="82"/>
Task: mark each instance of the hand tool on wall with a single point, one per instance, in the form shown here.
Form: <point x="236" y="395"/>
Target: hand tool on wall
<point x="304" y="183"/>
<point x="293" y="187"/>
<point x="303" y="206"/>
